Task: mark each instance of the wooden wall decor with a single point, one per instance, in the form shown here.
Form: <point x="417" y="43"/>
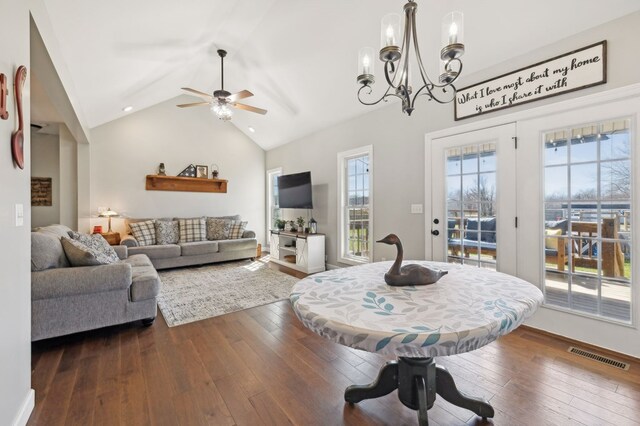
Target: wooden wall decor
<point x="4" y="114"/>
<point x="17" y="138"/>
<point x="188" y="184"/>
<point x="41" y="191"/>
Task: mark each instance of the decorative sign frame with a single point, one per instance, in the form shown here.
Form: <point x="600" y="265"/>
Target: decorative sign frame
<point x="41" y="191"/>
<point x="576" y="70"/>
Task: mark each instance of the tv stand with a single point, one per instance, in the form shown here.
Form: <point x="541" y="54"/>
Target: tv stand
<point x="299" y="251"/>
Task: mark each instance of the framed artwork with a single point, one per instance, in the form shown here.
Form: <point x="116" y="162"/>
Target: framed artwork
<point x="202" y="172"/>
<point x="41" y="191"/>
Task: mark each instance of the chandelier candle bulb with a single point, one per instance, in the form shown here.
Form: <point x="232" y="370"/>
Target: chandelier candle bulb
<point x="365" y="66"/>
<point x="390" y="30"/>
<point x="452" y="35"/>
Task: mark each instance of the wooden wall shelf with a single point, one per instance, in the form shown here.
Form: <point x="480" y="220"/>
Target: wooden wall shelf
<point x="177" y="183"/>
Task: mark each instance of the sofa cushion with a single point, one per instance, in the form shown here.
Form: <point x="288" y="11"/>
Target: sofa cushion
<point x="167" y="232"/>
<point x="47" y="252"/>
<point x="64" y="282"/>
<point x="97" y="243"/>
<point x="237" y="229"/>
<point x="486" y="224"/>
<point x="82" y="255"/>
<point x="145" y="283"/>
<point x="144" y="232"/>
<point x="56" y="230"/>
<point x="218" y="228"/>
<point x="238" y="244"/>
<point x="199" y="247"/>
<point x="551" y="242"/>
<point x="157" y="252"/>
<point x="192" y="229"/>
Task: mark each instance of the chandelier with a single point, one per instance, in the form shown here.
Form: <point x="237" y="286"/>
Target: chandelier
<point x="395" y="57"/>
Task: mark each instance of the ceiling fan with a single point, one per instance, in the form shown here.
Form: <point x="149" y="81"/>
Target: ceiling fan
<point x="222" y="99"/>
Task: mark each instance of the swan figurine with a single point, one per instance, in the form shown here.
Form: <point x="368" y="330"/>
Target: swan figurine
<point x="408" y="274"/>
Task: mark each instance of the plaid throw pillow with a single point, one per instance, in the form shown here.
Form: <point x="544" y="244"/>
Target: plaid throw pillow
<point x="218" y="228"/>
<point x="192" y="230"/>
<point x="237" y="229"/>
<point x="144" y="232"/>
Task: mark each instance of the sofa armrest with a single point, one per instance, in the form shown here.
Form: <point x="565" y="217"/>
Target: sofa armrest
<point x="129" y="241"/>
<point x="62" y="282"/>
<point x="249" y="234"/>
<point x="121" y="251"/>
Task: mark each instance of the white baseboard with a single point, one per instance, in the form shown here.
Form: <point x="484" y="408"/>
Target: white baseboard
<point x="22" y="417"/>
<point x="330" y="267"/>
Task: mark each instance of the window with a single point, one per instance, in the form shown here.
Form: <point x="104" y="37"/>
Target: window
<point x="587" y="219"/>
<point x="273" y="209"/>
<point x="355" y="206"/>
<point x="471" y="205"/>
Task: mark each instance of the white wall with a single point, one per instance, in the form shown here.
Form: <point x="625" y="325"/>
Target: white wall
<point x="84" y="186"/>
<point x="45" y="162"/>
<point x="68" y="178"/>
<point x="124" y="151"/>
<point x="398" y="142"/>
<point x="16" y="398"/>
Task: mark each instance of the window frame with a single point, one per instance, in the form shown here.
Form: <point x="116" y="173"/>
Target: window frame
<point x="277" y="171"/>
<point x="343" y="193"/>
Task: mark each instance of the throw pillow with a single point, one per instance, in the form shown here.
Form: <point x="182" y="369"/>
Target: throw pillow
<point x="82" y="255"/>
<point x="218" y="228"/>
<point x="193" y="229"/>
<point x="144" y="232"/>
<point x="167" y="232"/>
<point x="551" y="242"/>
<point x="237" y="229"/>
<point x="96" y="242"/>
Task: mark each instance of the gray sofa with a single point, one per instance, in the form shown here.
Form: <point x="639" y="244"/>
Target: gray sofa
<point x="67" y="299"/>
<point x="194" y="253"/>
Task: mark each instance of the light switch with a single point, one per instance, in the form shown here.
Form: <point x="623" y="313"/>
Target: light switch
<point x="416" y="208"/>
<point x="19" y="215"/>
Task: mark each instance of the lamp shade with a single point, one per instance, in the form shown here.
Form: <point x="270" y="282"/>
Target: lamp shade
<point x="108" y="213"/>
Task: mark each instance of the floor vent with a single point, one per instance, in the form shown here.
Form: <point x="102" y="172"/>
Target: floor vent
<point x="599" y="358"/>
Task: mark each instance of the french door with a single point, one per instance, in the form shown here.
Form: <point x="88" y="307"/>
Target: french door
<point x="580" y="167"/>
<point x="474" y="198"/>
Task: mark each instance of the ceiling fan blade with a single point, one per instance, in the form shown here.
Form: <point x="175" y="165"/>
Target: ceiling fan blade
<point x="197" y="92"/>
<point x="249" y="108"/>
<point x="193" y="104"/>
<point x="240" y="95"/>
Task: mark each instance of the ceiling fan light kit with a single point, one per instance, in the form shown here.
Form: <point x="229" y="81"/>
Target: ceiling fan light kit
<point x="222" y="101"/>
<point x="394" y="53"/>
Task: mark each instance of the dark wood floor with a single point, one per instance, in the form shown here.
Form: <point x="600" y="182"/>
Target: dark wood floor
<point x="260" y="366"/>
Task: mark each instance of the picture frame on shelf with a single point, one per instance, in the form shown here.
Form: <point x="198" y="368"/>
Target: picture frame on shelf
<point x="202" y="171"/>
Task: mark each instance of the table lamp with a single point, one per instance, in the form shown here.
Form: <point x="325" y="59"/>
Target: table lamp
<point x="108" y="213"/>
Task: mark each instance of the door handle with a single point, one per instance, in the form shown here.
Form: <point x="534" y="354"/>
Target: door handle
<point x="435" y="232"/>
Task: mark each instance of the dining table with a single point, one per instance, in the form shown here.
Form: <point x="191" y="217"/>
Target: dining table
<point x="466" y="309"/>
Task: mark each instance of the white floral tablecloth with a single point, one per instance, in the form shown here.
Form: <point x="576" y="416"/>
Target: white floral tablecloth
<point x="465" y="310"/>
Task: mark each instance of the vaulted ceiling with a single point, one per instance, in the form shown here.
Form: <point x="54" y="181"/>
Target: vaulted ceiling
<point x="298" y="57"/>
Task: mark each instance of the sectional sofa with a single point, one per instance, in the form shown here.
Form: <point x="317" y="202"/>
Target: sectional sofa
<point x="178" y="254"/>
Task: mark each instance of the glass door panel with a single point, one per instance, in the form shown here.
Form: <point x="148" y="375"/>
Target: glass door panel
<point x="587" y="219"/>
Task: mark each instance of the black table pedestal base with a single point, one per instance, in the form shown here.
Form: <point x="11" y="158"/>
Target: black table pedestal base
<point x="417" y="381"/>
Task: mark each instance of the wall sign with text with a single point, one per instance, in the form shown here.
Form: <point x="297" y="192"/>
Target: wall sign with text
<point x="575" y="70"/>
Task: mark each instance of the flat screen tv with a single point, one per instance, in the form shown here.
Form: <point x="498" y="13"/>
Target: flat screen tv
<point x="294" y="191"/>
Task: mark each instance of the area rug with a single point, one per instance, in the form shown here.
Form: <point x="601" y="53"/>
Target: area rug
<point x="194" y="294"/>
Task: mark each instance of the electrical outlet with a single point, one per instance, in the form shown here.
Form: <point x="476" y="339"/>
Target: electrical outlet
<point x="416" y="208"/>
<point x="19" y="215"/>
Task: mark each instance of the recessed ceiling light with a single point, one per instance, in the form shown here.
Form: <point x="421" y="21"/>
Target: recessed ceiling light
<point x="127" y="108"/>
<point x="252" y="130"/>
